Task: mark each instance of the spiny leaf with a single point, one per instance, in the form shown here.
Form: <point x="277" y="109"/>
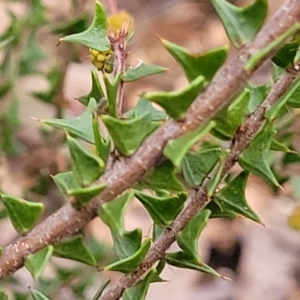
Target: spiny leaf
<point x="130" y="263"/>
<point x="185" y="260"/>
<point x="141" y="71"/>
<point x="205" y="64"/>
<point x="23" y="214"/>
<point x="229" y="120"/>
<point x="163" y="178"/>
<point x="285" y="56"/>
<point x="290" y="98"/>
<point x="96" y="91"/>
<point x="86" y="166"/>
<point x="66" y="182"/>
<point x="176" y="149"/>
<point x="95" y="37"/>
<point x="80" y="127"/>
<point x="258" y="94"/>
<point x="112" y="213"/>
<point x="162" y="210"/>
<point x="139" y="291"/>
<point x="219" y="210"/>
<point x="233" y="195"/>
<point x="36" y="263"/>
<point x="111" y="91"/>
<point x="177" y="103"/>
<point x="254" y="158"/>
<point x="128" y="135"/>
<point x="187" y="239"/>
<point x="144" y="106"/>
<point x="74" y="249"/>
<point x="241" y="24"/>
<point x="257" y="57"/>
<point x="197" y="165"/>
<point x="36" y="295"/>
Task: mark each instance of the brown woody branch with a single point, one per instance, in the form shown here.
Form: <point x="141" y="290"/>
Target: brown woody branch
<point x="227" y="82"/>
<point x="200" y="198"/>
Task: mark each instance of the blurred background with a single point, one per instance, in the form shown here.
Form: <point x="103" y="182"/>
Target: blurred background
<point x="262" y="262"/>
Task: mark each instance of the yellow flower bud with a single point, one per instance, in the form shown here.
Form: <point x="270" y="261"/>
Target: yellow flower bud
<point x="99" y="65"/>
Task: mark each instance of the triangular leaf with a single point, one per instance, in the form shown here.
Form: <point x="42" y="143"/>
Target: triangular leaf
<point x="66" y="182"/>
<point x="139" y="291"/>
<point x="130" y="263"/>
<point x="74" y="249"/>
<point x="176" y="149"/>
<point x="241" y="24"/>
<point x="197" y="165"/>
<point x="112" y="213"/>
<point x="205" y="64"/>
<point x="128" y="135"/>
<point x="163" y="178"/>
<point x="36" y="295"/>
<point x="86" y="167"/>
<point x="176" y="103"/>
<point x="185" y="260"/>
<point x="285" y="56"/>
<point x="254" y="158"/>
<point x="162" y="210"/>
<point x="112" y="91"/>
<point x="187" y="239"/>
<point x="144" y="106"/>
<point x="220" y="210"/>
<point x="95" y="37"/>
<point x="23" y="214"/>
<point x="233" y="195"/>
<point x="258" y="94"/>
<point x="36" y="263"/>
<point x="229" y="120"/>
<point x="80" y="127"/>
<point x="141" y="71"/>
<point x="96" y="91"/>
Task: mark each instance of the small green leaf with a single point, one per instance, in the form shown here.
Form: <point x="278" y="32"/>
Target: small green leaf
<point x="86" y="167"/>
<point x="197" y="166"/>
<point x="187" y="239"/>
<point x="219" y="210"/>
<point x="3" y="295"/>
<point x="241" y="24"/>
<point x="132" y="262"/>
<point x="141" y="71"/>
<point x="233" y="195"/>
<point x="290" y="98"/>
<point x="139" y="291"/>
<point x="80" y="127"/>
<point x="36" y="263"/>
<point x="112" y="213"/>
<point x="228" y="121"/>
<point x="205" y="64"/>
<point x="74" y="249"/>
<point x="163" y="210"/>
<point x="102" y="145"/>
<point x="144" y="106"/>
<point x="84" y="195"/>
<point x="96" y="91"/>
<point x="36" y="295"/>
<point x="177" y="103"/>
<point x="95" y="37"/>
<point x="163" y="178"/>
<point x="187" y="261"/>
<point x="257" y="57"/>
<point x="176" y="149"/>
<point x="278" y="146"/>
<point x="66" y="182"/>
<point x="285" y="56"/>
<point x="258" y="94"/>
<point x="254" y="158"/>
<point x="128" y="135"/>
<point x="112" y="91"/>
<point x="23" y="214"/>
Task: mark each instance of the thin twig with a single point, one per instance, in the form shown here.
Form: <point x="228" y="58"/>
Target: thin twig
<point x="227" y="82"/>
<point x="200" y="199"/>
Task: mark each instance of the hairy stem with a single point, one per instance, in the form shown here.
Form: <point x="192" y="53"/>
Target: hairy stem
<point x="227" y="82"/>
